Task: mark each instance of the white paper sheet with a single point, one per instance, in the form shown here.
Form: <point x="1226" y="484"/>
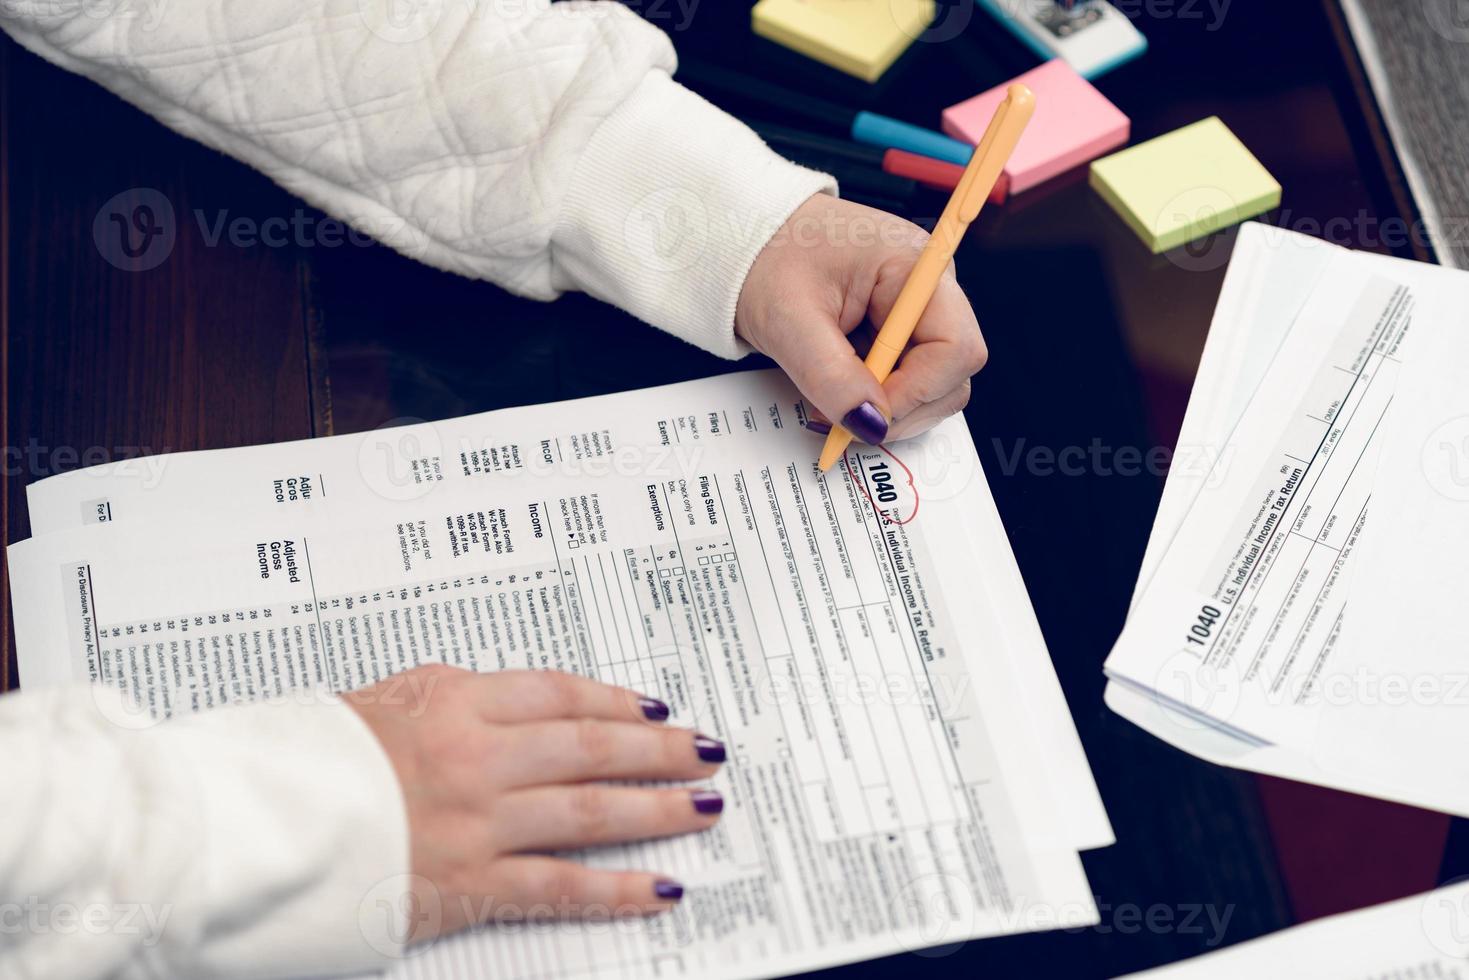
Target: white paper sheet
<point x="1271" y="275"/>
<point x="1404" y="658"/>
<point x="1240" y="620"/>
<point x="861" y="642"/>
<point x="374" y="472"/>
<point x="1419" y="938"/>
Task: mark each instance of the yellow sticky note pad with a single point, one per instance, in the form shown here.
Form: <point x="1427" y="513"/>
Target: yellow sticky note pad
<point x="859" y="37"/>
<point x="1185" y="184"/>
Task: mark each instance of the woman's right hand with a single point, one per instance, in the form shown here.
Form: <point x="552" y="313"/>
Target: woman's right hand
<point x="499" y="769"/>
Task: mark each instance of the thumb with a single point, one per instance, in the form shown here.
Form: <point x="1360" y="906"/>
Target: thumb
<point x="820" y="359"/>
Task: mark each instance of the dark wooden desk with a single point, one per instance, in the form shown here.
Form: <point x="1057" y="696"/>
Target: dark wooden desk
<point x="1092" y="339"/>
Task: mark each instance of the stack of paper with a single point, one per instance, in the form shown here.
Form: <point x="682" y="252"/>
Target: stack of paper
<point x="903" y="770"/>
<point x="1296" y="611"/>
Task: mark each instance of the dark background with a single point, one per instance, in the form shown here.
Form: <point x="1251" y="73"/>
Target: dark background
<point x="1091" y="339"/>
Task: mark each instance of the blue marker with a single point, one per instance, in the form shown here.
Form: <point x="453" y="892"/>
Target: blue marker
<point x="884" y="131"/>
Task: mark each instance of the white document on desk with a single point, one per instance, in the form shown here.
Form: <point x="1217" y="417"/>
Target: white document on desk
<point x="1272" y="274"/>
<point x="861" y="642"/>
<point x="371" y="475"/>
<point x="1405" y="651"/>
<point x="1240" y="619"/>
<point x="345" y="477"/>
<point x="1418" y="938"/>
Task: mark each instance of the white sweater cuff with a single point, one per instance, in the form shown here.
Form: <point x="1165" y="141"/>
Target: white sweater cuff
<point x="667" y="208"/>
<point x="303" y="840"/>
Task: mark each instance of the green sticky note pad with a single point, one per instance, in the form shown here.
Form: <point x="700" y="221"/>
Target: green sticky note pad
<point x="1185" y="184"/>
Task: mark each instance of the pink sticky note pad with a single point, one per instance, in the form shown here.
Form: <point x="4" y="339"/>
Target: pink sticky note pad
<point x="1073" y="124"/>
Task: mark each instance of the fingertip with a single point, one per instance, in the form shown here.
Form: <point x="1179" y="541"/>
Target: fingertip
<point x="651" y="894"/>
<point x="831" y="376"/>
<point x="710" y="751"/>
<point x="707" y="803"/>
<point x="652" y="709"/>
<point x="868" y="423"/>
<point x="812" y="420"/>
<point x="667" y="891"/>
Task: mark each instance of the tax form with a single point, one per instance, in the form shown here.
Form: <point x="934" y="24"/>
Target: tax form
<point x="1239" y="623"/>
<point x="1406" y="645"/>
<point x="903" y="770"/>
<point x="1272" y="275"/>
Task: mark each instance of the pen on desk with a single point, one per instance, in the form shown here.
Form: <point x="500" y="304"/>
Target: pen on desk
<point x="788" y="136"/>
<point x="858" y="169"/>
<point x="865" y="127"/>
<point x="896" y="163"/>
<point x="859" y="183"/>
<point x="979" y="179"/>
<point x="938" y="174"/>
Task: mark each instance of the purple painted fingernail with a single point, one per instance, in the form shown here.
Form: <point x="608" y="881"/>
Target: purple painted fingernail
<point x="709" y="749"/>
<point x="818" y="426"/>
<point x="707" y="801"/>
<point x="669" y="891"/>
<point x="867" y="423"/>
<point x="653" y="709"/>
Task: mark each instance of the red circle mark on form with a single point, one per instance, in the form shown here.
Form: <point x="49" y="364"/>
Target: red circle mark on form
<point x="862" y="486"/>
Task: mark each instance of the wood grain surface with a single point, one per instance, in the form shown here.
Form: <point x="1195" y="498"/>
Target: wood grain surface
<point x="211" y="347"/>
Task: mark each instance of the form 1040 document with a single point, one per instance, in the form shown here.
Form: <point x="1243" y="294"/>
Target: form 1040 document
<point x="903" y="771"/>
<point x="1339" y="680"/>
<point x="1239" y="623"/>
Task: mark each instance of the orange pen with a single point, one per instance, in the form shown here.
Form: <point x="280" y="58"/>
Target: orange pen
<point x="979" y="178"/>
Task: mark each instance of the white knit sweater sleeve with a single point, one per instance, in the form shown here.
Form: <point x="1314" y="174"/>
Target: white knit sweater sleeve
<point x="543" y="146"/>
<point x="261" y="840"/>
